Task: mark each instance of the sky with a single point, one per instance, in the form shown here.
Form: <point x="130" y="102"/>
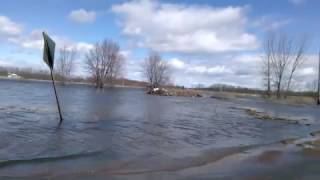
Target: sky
<point x="204" y="42"/>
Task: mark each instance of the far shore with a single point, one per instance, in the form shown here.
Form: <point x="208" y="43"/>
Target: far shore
<point x="191" y="92"/>
<point x="67" y="83"/>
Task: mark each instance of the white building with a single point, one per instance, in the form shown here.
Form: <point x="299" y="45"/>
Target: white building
<point x="14" y="76"/>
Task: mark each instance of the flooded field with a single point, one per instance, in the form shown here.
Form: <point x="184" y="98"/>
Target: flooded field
<point x="122" y="133"/>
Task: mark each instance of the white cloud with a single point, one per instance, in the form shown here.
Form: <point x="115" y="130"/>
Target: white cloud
<point x="240" y="70"/>
<point x="306" y="71"/>
<point x="248" y="58"/>
<point x="185" y="28"/>
<point x="22" y="62"/>
<point x="209" y="70"/>
<point x="133" y="68"/>
<point x="5" y="63"/>
<point x="13" y="33"/>
<point x="81" y="46"/>
<point x="176" y="63"/>
<point x="8" y="27"/>
<point x="35" y="41"/>
<point x="32" y="41"/>
<point x="82" y="16"/>
<point x="125" y="53"/>
<point x="201" y="69"/>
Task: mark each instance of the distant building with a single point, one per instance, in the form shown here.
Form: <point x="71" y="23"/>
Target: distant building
<point x="13" y="76"/>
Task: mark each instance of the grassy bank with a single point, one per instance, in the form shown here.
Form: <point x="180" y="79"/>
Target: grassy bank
<point x="293" y="100"/>
<point x="289" y="100"/>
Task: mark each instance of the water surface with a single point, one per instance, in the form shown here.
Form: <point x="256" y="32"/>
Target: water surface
<point x="124" y="131"/>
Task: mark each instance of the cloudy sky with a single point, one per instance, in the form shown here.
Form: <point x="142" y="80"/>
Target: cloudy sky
<point x="205" y="42"/>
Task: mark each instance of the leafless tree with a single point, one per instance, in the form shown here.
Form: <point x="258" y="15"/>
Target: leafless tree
<point x="156" y="70"/>
<point x="104" y="62"/>
<point x="267" y="62"/>
<point x="281" y="48"/>
<point x="298" y="55"/>
<point x="283" y="56"/>
<point x="115" y="68"/>
<point x="66" y="63"/>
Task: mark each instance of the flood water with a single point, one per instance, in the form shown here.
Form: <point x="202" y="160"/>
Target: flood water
<point x="124" y="131"/>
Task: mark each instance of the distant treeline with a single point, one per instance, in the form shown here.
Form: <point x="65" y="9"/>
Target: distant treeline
<point x="3" y="71"/>
<point x="237" y="89"/>
<point x="229" y="88"/>
<point x="25" y="73"/>
<point x="29" y="73"/>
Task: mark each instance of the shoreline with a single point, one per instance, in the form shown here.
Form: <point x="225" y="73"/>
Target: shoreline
<point x="66" y="83"/>
<point x="190" y="92"/>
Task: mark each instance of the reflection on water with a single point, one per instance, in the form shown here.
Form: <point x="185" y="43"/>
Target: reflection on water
<point x="114" y="129"/>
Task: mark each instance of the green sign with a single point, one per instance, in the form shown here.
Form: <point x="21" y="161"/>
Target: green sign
<point x="48" y="50"/>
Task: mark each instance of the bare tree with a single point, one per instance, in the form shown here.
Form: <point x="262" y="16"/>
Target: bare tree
<point x="104" y="62"/>
<point x="156" y="70"/>
<point x="66" y="63"/>
<point x="267" y="62"/>
<point x="298" y="55"/>
<point x="115" y="68"/>
<point x="281" y="48"/>
<point x="283" y="56"/>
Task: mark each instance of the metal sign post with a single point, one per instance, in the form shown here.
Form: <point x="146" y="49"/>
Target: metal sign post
<point x="48" y="57"/>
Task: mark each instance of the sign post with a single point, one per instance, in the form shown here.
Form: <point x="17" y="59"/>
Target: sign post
<point x="48" y="57"/>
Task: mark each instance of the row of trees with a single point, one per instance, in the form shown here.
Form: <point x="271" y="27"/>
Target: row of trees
<point x="283" y="56"/>
<point x="105" y="63"/>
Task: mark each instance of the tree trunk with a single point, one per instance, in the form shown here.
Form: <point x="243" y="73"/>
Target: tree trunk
<point x="288" y="85"/>
<point x="99" y="83"/>
<point x="269" y="88"/>
<point x="278" y="89"/>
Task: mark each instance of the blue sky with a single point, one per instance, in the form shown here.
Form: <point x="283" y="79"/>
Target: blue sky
<point x="205" y="42"/>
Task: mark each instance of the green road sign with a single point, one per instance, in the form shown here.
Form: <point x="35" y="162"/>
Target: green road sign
<point x="48" y="50"/>
<point x="48" y="57"/>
